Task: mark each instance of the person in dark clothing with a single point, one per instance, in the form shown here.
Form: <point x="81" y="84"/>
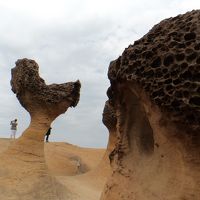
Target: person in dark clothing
<point x="47" y="134"/>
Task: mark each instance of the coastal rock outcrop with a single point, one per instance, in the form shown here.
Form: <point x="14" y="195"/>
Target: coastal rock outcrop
<point x="110" y="121"/>
<point x="23" y="170"/>
<point x="155" y="96"/>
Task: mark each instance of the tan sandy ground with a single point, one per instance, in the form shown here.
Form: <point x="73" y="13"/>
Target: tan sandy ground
<point x="82" y="170"/>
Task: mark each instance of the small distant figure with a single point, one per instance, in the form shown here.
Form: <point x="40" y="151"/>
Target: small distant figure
<point x="47" y="134"/>
<point x="78" y="165"/>
<point x="13" y="128"/>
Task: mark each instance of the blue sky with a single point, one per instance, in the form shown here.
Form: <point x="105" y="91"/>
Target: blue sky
<point x="73" y="40"/>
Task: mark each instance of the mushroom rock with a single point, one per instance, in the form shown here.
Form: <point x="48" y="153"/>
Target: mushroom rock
<point x="23" y="171"/>
<point x="155" y="91"/>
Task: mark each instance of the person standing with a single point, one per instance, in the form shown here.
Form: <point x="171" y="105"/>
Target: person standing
<point x="47" y="134"/>
<point x="13" y="128"/>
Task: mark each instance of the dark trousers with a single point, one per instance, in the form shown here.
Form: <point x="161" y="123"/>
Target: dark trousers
<point x="47" y="138"/>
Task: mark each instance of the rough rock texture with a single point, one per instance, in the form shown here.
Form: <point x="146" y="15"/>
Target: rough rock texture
<point x="166" y="64"/>
<point x="28" y="86"/>
<point x="110" y="121"/>
<point x="155" y="95"/>
<point x="23" y="170"/>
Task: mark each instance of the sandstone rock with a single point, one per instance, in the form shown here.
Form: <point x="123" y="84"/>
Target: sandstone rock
<point x="155" y="93"/>
<point x="110" y="121"/>
<point x="35" y="96"/>
<point x="23" y="170"/>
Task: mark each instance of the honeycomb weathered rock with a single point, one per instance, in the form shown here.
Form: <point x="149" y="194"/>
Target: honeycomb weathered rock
<point x="155" y="94"/>
<point x="26" y="79"/>
<point x="166" y="64"/>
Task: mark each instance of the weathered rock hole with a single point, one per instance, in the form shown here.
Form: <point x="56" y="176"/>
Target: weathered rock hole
<point x="172" y="44"/>
<point x="142" y="69"/>
<point x="180" y="57"/>
<point x="193" y="28"/>
<point x="174" y="73"/>
<point x="147" y="87"/>
<point x="158" y="93"/>
<point x="176" y="81"/>
<point x="166" y="76"/>
<point x="190" y="36"/>
<point x="189" y="19"/>
<point x="177" y="39"/>
<point x="163" y="48"/>
<point x="188" y="43"/>
<point x="124" y="61"/>
<point x="156" y="63"/>
<point x="160" y="83"/>
<point x="158" y="101"/>
<point x="148" y="54"/>
<point x="186" y="75"/>
<point x="178" y="94"/>
<point x="137" y="51"/>
<point x="165" y="70"/>
<point x="194" y="68"/>
<point x="186" y="94"/>
<point x="159" y="46"/>
<point x="195" y="100"/>
<point x="132" y="56"/>
<point x="166" y="99"/>
<point x="197" y="47"/>
<point x="168" y="60"/>
<point x="191" y="57"/>
<point x="168" y="81"/>
<point x="175" y="67"/>
<point x="187" y="29"/>
<point x="198" y="60"/>
<point x="188" y="51"/>
<point x="181" y="46"/>
<point x="159" y="73"/>
<point x="193" y="86"/>
<point x="174" y="33"/>
<point x="149" y="74"/>
<point x="169" y="87"/>
<point x="184" y="65"/>
<point x="187" y="84"/>
<point x="176" y="103"/>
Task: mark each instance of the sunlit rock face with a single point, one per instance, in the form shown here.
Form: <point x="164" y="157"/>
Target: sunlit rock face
<point x="23" y="171"/>
<point x="155" y="91"/>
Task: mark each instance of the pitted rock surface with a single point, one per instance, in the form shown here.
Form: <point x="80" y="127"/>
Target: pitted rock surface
<point x="155" y="94"/>
<point x="25" y="78"/>
<point x="109" y="116"/>
<point x="166" y="64"/>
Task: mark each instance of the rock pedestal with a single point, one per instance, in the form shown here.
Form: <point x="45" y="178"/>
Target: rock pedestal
<point x="23" y="171"/>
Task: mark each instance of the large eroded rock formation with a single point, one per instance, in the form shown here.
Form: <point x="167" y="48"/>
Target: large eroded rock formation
<point x="23" y="171"/>
<point x="155" y="94"/>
